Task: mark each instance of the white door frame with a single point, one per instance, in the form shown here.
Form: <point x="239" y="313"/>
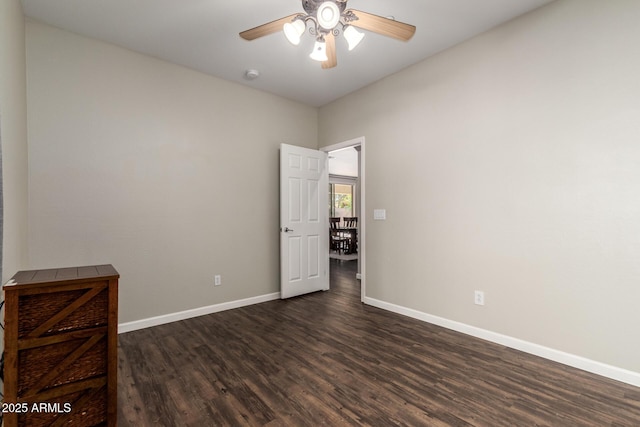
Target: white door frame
<point x="363" y="217"/>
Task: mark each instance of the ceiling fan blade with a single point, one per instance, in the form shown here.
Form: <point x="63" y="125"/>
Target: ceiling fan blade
<point x="385" y="26"/>
<point x="268" y="28"/>
<point x="331" y="52"/>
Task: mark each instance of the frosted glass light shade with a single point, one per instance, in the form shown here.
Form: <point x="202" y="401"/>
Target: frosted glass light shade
<point x="319" y="52"/>
<point x="294" y="30"/>
<point x="328" y="15"/>
<point x="352" y="36"/>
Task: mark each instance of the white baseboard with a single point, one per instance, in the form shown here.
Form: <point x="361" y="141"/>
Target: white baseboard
<point x="187" y="314"/>
<point x="613" y="372"/>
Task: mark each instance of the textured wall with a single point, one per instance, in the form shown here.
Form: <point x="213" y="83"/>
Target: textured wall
<point x="13" y="137"/>
<point x="509" y="164"/>
<point x="168" y="174"/>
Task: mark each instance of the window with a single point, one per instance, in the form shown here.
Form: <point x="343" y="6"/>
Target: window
<point x="340" y="200"/>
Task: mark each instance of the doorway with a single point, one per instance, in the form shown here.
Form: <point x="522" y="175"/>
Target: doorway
<point x="343" y="204"/>
<point x="358" y="200"/>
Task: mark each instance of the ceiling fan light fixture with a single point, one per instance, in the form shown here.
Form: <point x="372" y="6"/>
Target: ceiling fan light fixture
<point x="352" y="36"/>
<point x="327" y="19"/>
<point x="319" y="52"/>
<point x="328" y="15"/>
<point x="294" y="30"/>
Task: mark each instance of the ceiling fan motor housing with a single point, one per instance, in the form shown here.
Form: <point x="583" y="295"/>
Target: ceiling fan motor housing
<point x="311" y="6"/>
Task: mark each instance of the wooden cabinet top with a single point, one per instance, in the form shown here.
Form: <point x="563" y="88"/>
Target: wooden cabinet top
<point x="59" y="276"/>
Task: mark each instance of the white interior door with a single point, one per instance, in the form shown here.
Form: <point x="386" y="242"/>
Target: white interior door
<point x="304" y="223"/>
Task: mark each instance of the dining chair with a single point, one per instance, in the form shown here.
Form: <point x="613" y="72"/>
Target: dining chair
<point x="337" y="240"/>
<point x="351" y="223"/>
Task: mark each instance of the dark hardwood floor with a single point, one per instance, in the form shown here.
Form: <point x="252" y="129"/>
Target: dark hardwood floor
<point x="327" y="359"/>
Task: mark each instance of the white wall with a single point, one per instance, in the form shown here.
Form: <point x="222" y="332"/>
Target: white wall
<point x="518" y="158"/>
<point x="13" y="128"/>
<point x="168" y="174"/>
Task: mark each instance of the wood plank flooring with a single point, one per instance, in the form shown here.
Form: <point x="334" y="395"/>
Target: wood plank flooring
<point x="326" y="359"/>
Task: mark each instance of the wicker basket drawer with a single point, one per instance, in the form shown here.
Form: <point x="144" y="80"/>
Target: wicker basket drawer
<point x="37" y="308"/>
<point x="35" y="363"/>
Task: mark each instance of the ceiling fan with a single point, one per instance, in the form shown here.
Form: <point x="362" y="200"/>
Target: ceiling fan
<point x="327" y="19"/>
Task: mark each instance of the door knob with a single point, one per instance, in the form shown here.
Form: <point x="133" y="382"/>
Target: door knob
<point x="287" y="229"/>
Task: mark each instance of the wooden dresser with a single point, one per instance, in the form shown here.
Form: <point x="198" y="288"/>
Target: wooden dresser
<point x="61" y="340"/>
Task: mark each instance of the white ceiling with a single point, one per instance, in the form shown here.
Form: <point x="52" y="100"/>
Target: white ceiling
<point x="203" y="35"/>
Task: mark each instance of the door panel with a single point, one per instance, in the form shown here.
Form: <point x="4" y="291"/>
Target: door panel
<point x="295" y="201"/>
<point x="304" y="235"/>
<point x="313" y="249"/>
<point x="314" y="201"/>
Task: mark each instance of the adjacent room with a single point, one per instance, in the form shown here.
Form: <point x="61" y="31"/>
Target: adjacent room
<point x="493" y="274"/>
<point x="344" y="203"/>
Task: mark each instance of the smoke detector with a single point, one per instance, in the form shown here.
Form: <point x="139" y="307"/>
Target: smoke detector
<point x="251" y="74"/>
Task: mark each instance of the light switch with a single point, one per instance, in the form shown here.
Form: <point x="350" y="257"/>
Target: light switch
<point x="380" y="214"/>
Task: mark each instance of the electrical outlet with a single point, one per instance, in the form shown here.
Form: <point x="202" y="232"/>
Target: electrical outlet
<point x="478" y="298"/>
<point x="217" y="280"/>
